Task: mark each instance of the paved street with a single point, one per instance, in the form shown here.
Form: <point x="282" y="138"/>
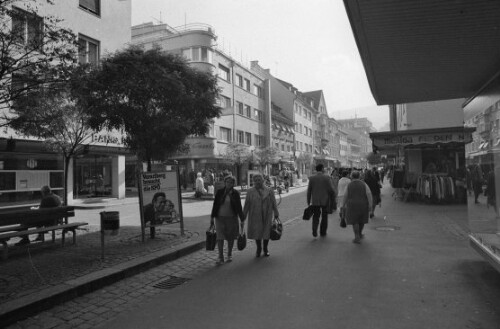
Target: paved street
<point x="413" y="270"/>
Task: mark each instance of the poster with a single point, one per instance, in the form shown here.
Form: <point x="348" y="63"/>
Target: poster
<point x="160" y="198"/>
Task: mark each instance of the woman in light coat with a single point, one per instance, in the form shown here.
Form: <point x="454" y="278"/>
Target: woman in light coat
<point x="260" y="205"/>
<point x="342" y="186"/>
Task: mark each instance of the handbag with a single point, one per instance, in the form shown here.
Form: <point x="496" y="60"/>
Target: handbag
<point x="211" y="238"/>
<point x="276" y="230"/>
<point x="242" y="241"/>
<point x="308" y="213"/>
<point x="343" y="223"/>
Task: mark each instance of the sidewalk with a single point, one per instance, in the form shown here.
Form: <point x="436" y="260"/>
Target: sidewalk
<point x="45" y="274"/>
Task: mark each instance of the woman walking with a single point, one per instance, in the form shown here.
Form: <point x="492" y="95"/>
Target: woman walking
<point x="225" y="212"/>
<point x="260" y="204"/>
<point x="358" y="203"/>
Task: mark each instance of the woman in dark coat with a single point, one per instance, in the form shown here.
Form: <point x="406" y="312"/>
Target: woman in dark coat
<point x="358" y="202"/>
<point x="225" y="211"/>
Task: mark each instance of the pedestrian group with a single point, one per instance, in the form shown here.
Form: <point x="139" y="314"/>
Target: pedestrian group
<point x="355" y="198"/>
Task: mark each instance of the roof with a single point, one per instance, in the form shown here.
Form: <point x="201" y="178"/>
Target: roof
<point x="315" y="96"/>
<point x="415" y="51"/>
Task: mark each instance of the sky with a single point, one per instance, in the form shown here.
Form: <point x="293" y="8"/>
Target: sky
<point x="307" y="43"/>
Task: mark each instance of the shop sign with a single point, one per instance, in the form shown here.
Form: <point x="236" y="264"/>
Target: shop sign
<point x="201" y="147"/>
<point x="415" y="139"/>
<point x="108" y="138"/>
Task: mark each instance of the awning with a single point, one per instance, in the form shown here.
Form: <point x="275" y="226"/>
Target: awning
<point x="392" y="139"/>
<point x="426" y="50"/>
<point x="483" y="145"/>
<point x="326" y="152"/>
<point x="316" y="150"/>
<point x="497" y="142"/>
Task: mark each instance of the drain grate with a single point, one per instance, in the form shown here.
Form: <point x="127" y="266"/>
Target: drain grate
<point x="387" y="228"/>
<point x="171" y="282"/>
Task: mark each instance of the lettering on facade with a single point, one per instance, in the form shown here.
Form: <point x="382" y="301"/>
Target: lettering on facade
<point x="424" y="139"/>
<point x="107" y="139"/>
<point x="202" y="146"/>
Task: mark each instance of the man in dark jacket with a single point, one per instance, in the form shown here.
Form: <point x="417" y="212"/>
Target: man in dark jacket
<point x="319" y="193"/>
<point x="49" y="200"/>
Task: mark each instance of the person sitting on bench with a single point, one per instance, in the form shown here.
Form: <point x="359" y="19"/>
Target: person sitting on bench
<point x="49" y="200"/>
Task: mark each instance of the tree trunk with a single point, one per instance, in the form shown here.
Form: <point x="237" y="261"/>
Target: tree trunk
<point x="67" y="160"/>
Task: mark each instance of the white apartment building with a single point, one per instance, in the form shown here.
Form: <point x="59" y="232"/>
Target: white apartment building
<point x="244" y="97"/>
<point x="102" y="27"/>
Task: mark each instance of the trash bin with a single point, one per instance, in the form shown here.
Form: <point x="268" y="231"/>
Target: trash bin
<point x="110" y="222"/>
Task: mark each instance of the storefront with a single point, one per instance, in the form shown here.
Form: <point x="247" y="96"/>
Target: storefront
<point x="26" y="166"/>
<point x="205" y="154"/>
<point x="434" y="161"/>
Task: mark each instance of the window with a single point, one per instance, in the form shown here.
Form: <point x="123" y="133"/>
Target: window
<point x="239" y="80"/>
<point x="259" y="141"/>
<point x="27" y="28"/>
<point x="248" y="138"/>
<point x="277" y="145"/>
<point x="224" y="73"/>
<point x="247" y="84"/>
<point x="248" y="110"/>
<point x="240" y="136"/>
<point x="259" y="115"/>
<point x="257" y="91"/>
<point x="288" y="148"/>
<point x="240" y="108"/>
<point x="198" y="54"/>
<point x="283" y="147"/>
<point x="224" y="101"/>
<point x="225" y="134"/>
<point x="304" y="113"/>
<point x="88" y="50"/>
<point x="94" y="6"/>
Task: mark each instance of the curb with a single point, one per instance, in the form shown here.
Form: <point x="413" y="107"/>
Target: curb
<point x="23" y="307"/>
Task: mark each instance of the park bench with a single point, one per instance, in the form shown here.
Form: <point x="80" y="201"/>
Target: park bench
<point x="20" y="223"/>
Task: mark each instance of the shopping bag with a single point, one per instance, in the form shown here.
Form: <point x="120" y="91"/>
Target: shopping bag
<point x="343" y="223"/>
<point x="308" y="212"/>
<point x="276" y="229"/>
<point x="211" y="238"/>
<point x="242" y="241"/>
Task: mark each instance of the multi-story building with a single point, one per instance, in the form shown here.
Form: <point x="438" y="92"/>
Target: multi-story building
<point x="324" y="130"/>
<point x="360" y="128"/>
<point x="244" y="96"/>
<point x="25" y="164"/>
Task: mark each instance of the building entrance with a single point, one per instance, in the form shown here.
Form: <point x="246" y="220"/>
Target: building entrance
<point x="92" y="176"/>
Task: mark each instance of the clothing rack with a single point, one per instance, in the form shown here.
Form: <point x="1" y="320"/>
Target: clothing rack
<point x="437" y="187"/>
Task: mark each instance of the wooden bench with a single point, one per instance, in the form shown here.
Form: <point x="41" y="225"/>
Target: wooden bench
<point x="21" y="223"/>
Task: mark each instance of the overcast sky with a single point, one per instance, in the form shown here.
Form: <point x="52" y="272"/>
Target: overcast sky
<point x="307" y="43"/>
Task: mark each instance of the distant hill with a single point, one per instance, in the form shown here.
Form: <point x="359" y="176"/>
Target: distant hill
<point x="378" y="115"/>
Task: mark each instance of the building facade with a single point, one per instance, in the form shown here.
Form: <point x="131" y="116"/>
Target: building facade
<point x="25" y="163"/>
<point x="244" y="98"/>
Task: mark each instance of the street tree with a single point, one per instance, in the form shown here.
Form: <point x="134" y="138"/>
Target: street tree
<point x="35" y="52"/>
<point x="157" y="99"/>
<point x="267" y="155"/>
<point x="55" y="116"/>
<point x="237" y="154"/>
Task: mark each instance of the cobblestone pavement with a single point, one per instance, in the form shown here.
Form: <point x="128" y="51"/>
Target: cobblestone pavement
<point x="94" y="309"/>
<point x="44" y="265"/>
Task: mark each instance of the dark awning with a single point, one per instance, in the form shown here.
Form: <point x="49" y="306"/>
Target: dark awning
<point x="415" y="51"/>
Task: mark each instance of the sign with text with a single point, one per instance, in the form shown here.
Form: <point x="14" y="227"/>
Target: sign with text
<point x="390" y="139"/>
<point x="160" y="198"/>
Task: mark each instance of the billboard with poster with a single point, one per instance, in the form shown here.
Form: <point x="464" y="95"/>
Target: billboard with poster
<point x="160" y="199"/>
